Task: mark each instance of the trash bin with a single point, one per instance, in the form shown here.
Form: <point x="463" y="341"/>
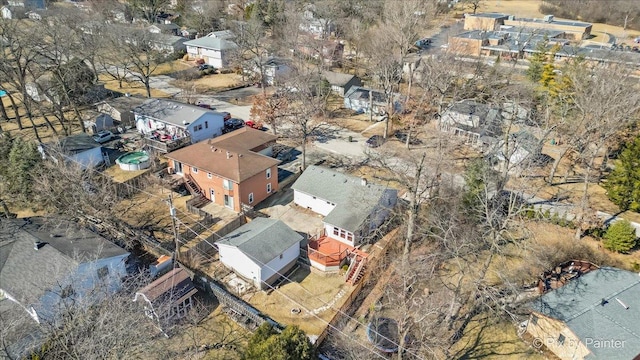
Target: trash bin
<point x="350" y="138"/>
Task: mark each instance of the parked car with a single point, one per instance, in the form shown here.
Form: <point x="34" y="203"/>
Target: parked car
<point x="103" y="137"/>
<point x="226" y="115"/>
<point x="253" y="124"/>
<point x="375" y="141"/>
<point x="233" y="123"/>
<point x="402" y="136"/>
<point x="206" y="106"/>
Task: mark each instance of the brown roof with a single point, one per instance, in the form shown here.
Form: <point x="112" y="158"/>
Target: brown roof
<point x="174" y="285"/>
<point x="229" y="155"/>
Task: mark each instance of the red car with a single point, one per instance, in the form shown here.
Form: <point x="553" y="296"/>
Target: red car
<point x="254" y="125"/>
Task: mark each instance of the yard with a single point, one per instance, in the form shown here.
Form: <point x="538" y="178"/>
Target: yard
<point x="314" y="295"/>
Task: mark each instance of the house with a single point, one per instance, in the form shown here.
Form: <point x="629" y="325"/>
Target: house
<point x="275" y="70"/>
<point x="170" y="297"/>
<point x="13" y="12"/>
<point x="189" y="33"/>
<point x="169" y="44"/>
<point x="316" y="26"/>
<point x="521" y="146"/>
<point x="222" y="34"/>
<point x="341" y="82"/>
<point x="479" y="124"/>
<point x="167" y="29"/>
<point x="169" y="124"/>
<point x="329" y="51"/>
<point x="99" y="123"/>
<point x="362" y="99"/>
<point x="352" y="207"/>
<point x="80" y="149"/>
<point x="214" y="51"/>
<point x="121" y="108"/>
<point x="261" y="251"/>
<point x="47" y="263"/>
<point x="232" y="170"/>
<point x="594" y="316"/>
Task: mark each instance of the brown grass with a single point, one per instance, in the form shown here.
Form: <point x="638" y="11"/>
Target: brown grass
<point x="172" y="66"/>
<point x="307" y="291"/>
<point x="211" y="83"/>
<point x="131" y="87"/>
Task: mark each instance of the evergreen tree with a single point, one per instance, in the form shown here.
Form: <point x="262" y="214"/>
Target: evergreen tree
<point x="620" y="237"/>
<point x="24" y="160"/>
<point x="623" y="184"/>
<point x="537" y="62"/>
<point x="267" y="344"/>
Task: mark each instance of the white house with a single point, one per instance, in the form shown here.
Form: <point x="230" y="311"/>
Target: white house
<point x="260" y="251"/>
<point x="480" y="124"/>
<point x="353" y="208"/>
<point x="214" y="51"/>
<point x="317" y="26"/>
<point x="79" y="148"/>
<point x="48" y="263"/>
<point x="169" y="44"/>
<point x="341" y="82"/>
<point x="365" y="100"/>
<point x="170" y="124"/>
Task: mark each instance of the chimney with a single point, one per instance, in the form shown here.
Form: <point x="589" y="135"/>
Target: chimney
<point x="38" y="245"/>
<point x="363" y="181"/>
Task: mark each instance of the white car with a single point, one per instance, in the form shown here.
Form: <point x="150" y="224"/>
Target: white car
<point x="103" y="137"/>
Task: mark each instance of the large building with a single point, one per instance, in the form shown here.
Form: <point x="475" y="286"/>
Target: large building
<point x="574" y="30"/>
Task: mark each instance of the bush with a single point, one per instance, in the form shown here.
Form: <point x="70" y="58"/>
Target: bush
<point x="620" y="237"/>
<point x="226" y="71"/>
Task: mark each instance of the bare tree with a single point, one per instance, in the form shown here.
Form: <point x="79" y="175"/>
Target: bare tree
<point x="253" y="49"/>
<point x="150" y="9"/>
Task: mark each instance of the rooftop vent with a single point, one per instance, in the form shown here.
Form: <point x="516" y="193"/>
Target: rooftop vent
<point x="38" y="245"/>
<point x="363" y="181"/>
<point x="603" y="302"/>
<point x="623" y="304"/>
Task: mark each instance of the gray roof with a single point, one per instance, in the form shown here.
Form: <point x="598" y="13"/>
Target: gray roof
<point x="489" y="118"/>
<point x="580" y="305"/>
<point x="336" y="78"/>
<point x="262" y="239"/>
<point x="354" y="199"/>
<point x="74" y="144"/>
<point x="360" y="93"/>
<point x="27" y="273"/>
<point x="172" y="112"/>
<point x="208" y="42"/>
<point x="489" y="15"/>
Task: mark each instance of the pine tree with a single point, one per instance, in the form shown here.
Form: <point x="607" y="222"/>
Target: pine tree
<point x="267" y="344"/>
<point x="537" y="62"/>
<point x="623" y="184"/>
<point x="620" y="237"/>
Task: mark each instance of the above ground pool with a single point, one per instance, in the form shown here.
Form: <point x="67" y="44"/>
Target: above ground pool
<point x="383" y="334"/>
<point x="136" y="160"/>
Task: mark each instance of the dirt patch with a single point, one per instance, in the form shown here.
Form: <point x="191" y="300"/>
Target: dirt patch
<point x="131" y="87"/>
<point x="308" y="291"/>
<point x="211" y="83"/>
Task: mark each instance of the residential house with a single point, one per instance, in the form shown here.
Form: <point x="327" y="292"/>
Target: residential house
<point x="47" y="263"/>
<point x="167" y="29"/>
<point x="593" y="316"/>
<point x="330" y="52"/>
<point x="121" y="108"/>
<point x="352" y="207"/>
<point x="222" y="34"/>
<point x="341" y="82"/>
<point x="274" y="69"/>
<point x="170" y="297"/>
<point x="479" y="124"/>
<point x="232" y="170"/>
<point x="317" y="26"/>
<point x="365" y="100"/>
<point x="214" y="51"/>
<point x="261" y="251"/>
<point x="99" y="123"/>
<point x="80" y="149"/>
<point x="169" y="124"/>
<point x="189" y="33"/>
<point x="169" y="44"/>
<point x="521" y="146"/>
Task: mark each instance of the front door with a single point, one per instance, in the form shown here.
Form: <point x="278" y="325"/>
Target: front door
<point x="178" y="166"/>
<point x="212" y="194"/>
<point x="228" y="201"/>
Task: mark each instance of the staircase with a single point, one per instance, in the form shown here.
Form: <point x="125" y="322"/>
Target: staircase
<point x="192" y="186"/>
<point x="356" y="270"/>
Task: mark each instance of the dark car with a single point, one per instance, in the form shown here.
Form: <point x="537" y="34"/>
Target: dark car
<point x="233" y="123"/>
<point x="375" y="141"/>
<point x="402" y="136"/>
<point x="204" y="67"/>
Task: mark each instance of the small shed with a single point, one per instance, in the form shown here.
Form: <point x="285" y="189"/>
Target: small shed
<point x="169" y="296"/>
<point x="261" y="251"/>
<point x="99" y="123"/>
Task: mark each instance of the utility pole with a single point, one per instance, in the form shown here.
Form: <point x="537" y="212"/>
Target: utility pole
<point x="172" y="212"/>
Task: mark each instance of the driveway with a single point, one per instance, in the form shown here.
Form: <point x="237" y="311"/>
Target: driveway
<point x="280" y="206"/>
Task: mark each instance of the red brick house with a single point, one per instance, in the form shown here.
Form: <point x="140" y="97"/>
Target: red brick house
<point x="230" y="170"/>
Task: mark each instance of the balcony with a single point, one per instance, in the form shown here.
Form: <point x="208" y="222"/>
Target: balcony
<point x="165" y="143"/>
<point x="327" y="254"/>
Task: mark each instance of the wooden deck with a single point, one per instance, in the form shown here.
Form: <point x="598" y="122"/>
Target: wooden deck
<point x="330" y="252"/>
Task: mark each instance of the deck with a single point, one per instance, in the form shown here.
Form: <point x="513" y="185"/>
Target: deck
<point x="328" y="252"/>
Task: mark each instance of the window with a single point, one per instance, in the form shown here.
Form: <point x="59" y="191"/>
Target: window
<point x="269" y="188"/>
<point x="268" y="173"/>
<point x="250" y="198"/>
<point x="561" y="339"/>
<point x="194" y="170"/>
<point x="206" y="124"/>
<point x="336" y="231"/>
<point x="534" y="320"/>
<point x="280" y="256"/>
<point x="103" y="272"/>
<point x="209" y="176"/>
<point x="350" y="236"/>
<point x="67" y="291"/>
<point x="314" y="198"/>
<point x="329" y="202"/>
<point x="226" y="184"/>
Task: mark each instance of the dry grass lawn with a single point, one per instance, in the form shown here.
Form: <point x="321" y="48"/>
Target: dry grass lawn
<point x="211" y="83"/>
<point x="308" y="291"/>
<point x="172" y="66"/>
<point x="131" y="87"/>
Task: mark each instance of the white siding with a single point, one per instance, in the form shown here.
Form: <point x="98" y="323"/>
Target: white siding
<point x="240" y="263"/>
<point x="215" y="124"/>
<point x="328" y="230"/>
<point x="89" y="158"/>
<point x="317" y="205"/>
<point x="278" y="264"/>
